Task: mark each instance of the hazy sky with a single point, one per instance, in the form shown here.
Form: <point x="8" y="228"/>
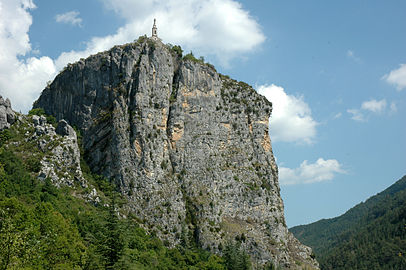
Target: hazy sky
<point x="334" y="70"/>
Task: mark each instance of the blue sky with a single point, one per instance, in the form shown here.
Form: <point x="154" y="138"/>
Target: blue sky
<point x="335" y="71"/>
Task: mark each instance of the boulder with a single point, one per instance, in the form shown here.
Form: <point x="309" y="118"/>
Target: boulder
<point x="7" y="115"/>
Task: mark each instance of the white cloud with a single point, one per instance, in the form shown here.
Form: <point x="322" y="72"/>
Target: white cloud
<point x="356" y="115"/>
<point x="212" y="28"/>
<point x="70" y="17"/>
<point x="321" y="170"/>
<point x="373" y="105"/>
<point x="21" y="80"/>
<point x="338" y="115"/>
<point x="397" y="77"/>
<point x="291" y="119"/>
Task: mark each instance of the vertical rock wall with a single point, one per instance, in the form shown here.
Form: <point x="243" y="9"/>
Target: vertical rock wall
<point x="189" y="147"/>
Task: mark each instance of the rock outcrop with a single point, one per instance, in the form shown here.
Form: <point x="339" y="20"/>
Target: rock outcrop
<point x="50" y="150"/>
<point x="7" y="115"/>
<point x="62" y="164"/>
<point x="187" y="146"/>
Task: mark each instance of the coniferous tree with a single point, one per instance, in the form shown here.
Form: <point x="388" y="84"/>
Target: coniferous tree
<point x="235" y="258"/>
<point x="114" y="242"/>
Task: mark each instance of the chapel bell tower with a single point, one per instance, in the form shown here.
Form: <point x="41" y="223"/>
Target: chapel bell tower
<point x="154" y="31"/>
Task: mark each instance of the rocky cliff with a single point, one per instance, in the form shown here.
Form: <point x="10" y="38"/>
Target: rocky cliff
<point x="188" y="147"/>
<point x="7" y="116"/>
<point x="50" y="150"/>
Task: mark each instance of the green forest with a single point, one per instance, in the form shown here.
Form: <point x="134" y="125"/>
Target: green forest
<point x="44" y="227"/>
<point x="371" y="235"/>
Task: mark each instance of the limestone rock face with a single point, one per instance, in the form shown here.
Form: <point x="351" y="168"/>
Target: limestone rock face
<point x="64" y="129"/>
<point x="61" y="164"/>
<point x="187" y="146"/>
<point x="7" y="115"/>
<point x="50" y="153"/>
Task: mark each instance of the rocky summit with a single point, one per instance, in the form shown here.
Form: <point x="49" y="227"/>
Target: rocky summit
<point x="188" y="147"/>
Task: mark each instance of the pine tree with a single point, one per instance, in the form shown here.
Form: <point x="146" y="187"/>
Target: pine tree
<point x="235" y="258"/>
<point x="114" y="242"/>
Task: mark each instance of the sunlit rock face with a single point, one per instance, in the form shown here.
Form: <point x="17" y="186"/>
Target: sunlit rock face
<point x="187" y="146"/>
<point x="7" y="116"/>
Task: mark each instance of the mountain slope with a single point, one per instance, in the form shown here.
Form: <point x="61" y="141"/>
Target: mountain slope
<point x="371" y="235"/>
<point x="188" y="148"/>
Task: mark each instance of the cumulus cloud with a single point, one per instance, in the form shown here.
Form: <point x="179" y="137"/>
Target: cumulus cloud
<point x="373" y="105"/>
<point x="70" y="17"/>
<point x="321" y="170"/>
<point x="213" y="28"/>
<point x="397" y="77"/>
<point x="21" y="79"/>
<point x="291" y="119"/>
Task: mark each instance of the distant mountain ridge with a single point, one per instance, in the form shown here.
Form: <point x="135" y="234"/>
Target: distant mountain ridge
<point x="371" y="235"/>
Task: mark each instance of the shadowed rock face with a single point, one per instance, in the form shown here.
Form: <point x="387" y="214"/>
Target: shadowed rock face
<point x="188" y="147"/>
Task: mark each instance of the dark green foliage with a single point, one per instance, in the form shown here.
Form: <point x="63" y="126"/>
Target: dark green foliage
<point x="372" y="235"/>
<point x="33" y="164"/>
<point x="211" y="66"/>
<point x="5" y="135"/>
<point x="11" y="169"/>
<point x="272" y="266"/>
<point x="191" y="57"/>
<point x="151" y="45"/>
<point x="38" y="237"/>
<point x="40" y="111"/>
<point x="177" y="50"/>
<point x="141" y="39"/>
<point x="236" y="258"/>
<point x="172" y="98"/>
<point x="37" y="111"/>
<point x="112" y="244"/>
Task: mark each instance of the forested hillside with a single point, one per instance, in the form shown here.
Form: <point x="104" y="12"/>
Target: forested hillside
<point x="371" y="235"/>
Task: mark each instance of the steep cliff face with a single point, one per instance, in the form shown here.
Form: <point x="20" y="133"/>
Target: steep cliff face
<point x="187" y="146"/>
